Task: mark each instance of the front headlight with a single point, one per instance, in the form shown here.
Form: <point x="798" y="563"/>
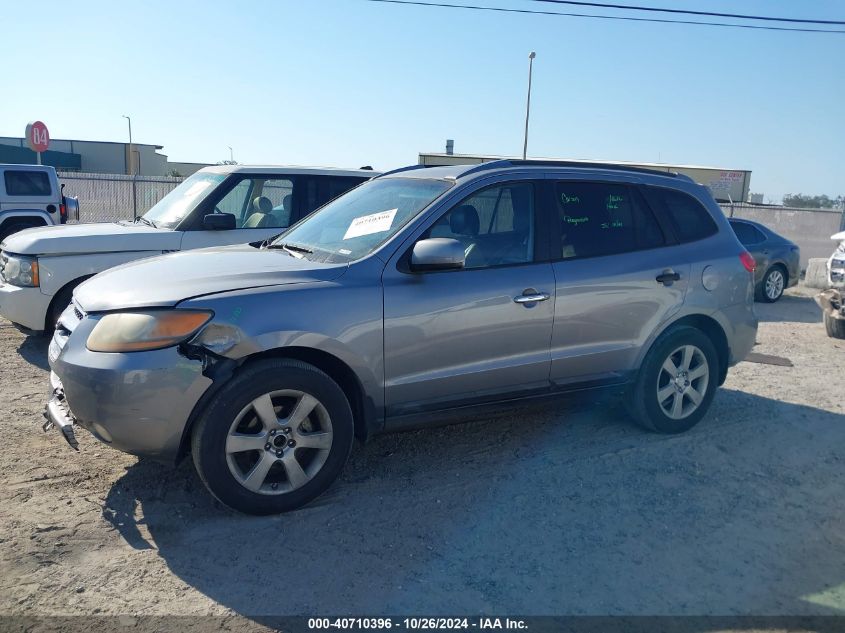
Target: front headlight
<point x="139" y="331"/>
<point x="19" y="270"/>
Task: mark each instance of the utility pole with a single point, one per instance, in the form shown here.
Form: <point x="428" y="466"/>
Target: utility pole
<point x="132" y="170"/>
<point x="231" y="154"/>
<point x="528" y="104"/>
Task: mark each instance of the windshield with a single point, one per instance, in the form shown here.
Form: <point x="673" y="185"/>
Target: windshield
<point x="175" y="206"/>
<point x="356" y="223"/>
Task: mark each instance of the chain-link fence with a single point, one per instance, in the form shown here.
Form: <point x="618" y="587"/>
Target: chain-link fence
<point x="112" y="197"/>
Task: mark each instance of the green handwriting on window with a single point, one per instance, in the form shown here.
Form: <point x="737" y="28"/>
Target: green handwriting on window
<point x="613" y="202"/>
<point x="616" y="224"/>
<point x="565" y="199"/>
<point x="570" y="220"/>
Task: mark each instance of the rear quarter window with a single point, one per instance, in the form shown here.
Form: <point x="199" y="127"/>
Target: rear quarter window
<point x="689" y="219"/>
<point x="26" y="183"/>
<point x="747" y="234"/>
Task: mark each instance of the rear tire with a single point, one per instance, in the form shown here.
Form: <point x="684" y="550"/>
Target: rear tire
<point x="676" y="382"/>
<point x="274" y="438"/>
<point x="835" y="327"/>
<point x="773" y="284"/>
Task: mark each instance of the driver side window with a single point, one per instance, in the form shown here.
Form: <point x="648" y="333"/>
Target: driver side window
<point x="495" y="226"/>
<point x="259" y="203"/>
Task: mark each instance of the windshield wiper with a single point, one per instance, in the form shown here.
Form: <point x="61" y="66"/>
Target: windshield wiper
<point x="291" y="248"/>
<point x="145" y="221"/>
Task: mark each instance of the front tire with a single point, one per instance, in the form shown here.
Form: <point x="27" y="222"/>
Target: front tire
<point x="835" y="328"/>
<point x="676" y="382"/>
<point x="274" y="438"/>
<point x="57" y="306"/>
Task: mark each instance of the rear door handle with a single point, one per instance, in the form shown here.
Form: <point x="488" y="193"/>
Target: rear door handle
<point x="667" y="277"/>
<point x="533" y="297"/>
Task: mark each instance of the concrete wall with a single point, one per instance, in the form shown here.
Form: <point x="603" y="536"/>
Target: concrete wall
<point x="809" y="228"/>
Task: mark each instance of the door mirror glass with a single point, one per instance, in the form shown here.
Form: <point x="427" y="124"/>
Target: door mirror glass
<point x="219" y="222"/>
<point x="437" y="253"/>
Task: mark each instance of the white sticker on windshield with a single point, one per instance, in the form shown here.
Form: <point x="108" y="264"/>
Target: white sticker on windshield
<point x="368" y="224"/>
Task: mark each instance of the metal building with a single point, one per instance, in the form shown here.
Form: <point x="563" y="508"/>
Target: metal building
<point x="102" y="157"/>
<point x="727" y="185"/>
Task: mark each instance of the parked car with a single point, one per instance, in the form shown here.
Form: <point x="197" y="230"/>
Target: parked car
<point x="777" y="259"/>
<point x="30" y="195"/>
<point x="226" y="204"/>
<point x="417" y="294"/>
<point x="830" y="301"/>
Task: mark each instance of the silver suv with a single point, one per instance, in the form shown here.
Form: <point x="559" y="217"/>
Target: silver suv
<point x="422" y="291"/>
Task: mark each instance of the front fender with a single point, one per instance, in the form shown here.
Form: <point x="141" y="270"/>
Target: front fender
<point x="341" y="318"/>
<point x="59" y="270"/>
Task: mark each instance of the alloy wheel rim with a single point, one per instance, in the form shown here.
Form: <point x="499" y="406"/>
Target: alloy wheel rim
<point x="682" y="382"/>
<point x="279" y="442"/>
<point x="774" y="284"/>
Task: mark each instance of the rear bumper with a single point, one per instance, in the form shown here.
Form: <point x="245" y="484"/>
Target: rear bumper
<point x="740" y="326"/>
<point x="25" y="307"/>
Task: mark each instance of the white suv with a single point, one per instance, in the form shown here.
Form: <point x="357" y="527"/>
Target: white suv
<point x="221" y="205"/>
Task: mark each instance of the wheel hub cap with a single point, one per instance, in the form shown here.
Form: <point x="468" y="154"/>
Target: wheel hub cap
<point x="279" y="442"/>
<point x="682" y="382"/>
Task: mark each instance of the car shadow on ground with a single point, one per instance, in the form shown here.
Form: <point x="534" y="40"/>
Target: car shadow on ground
<point x="559" y="509"/>
<point x="33" y="349"/>
<point x="794" y="308"/>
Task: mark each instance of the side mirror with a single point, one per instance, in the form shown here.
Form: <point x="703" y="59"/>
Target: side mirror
<point x="437" y="253"/>
<point x="219" y="222"/>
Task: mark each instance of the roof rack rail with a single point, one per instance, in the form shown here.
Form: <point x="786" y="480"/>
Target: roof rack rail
<point x="401" y="169"/>
<point x="514" y="162"/>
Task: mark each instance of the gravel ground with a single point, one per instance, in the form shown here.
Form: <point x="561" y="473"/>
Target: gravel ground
<point x="564" y="509"/>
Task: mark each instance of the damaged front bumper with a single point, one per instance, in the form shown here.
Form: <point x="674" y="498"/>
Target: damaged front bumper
<point x="138" y="402"/>
<point x="830" y="301"/>
<point x="57" y="414"/>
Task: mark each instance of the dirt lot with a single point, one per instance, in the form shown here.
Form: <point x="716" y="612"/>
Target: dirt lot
<point x="558" y="510"/>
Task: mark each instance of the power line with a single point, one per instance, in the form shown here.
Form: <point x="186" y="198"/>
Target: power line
<point x="605" y="17"/>
<point x="690" y="12"/>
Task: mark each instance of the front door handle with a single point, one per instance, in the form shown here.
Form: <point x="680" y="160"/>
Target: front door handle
<point x="532" y="297"/>
<point x="667" y="277"/>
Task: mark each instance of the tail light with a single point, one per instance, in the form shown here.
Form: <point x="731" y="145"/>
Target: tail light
<point x="747" y="261"/>
<point x="63" y="209"/>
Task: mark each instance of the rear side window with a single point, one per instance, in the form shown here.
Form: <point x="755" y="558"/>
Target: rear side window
<point x="321" y="189"/>
<point x="27" y="183"/>
<point x="747" y="233"/>
<point x="688" y="217"/>
<point x="598" y="219"/>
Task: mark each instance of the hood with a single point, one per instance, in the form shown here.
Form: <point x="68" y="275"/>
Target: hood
<point x="91" y="238"/>
<point x="166" y="280"/>
<point x="838" y="236"/>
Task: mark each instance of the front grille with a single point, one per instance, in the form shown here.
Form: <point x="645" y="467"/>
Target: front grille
<point x="3" y="260"/>
<point x="67" y="323"/>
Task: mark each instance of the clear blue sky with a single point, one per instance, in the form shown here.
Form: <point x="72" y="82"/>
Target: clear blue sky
<point x="347" y="82"/>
